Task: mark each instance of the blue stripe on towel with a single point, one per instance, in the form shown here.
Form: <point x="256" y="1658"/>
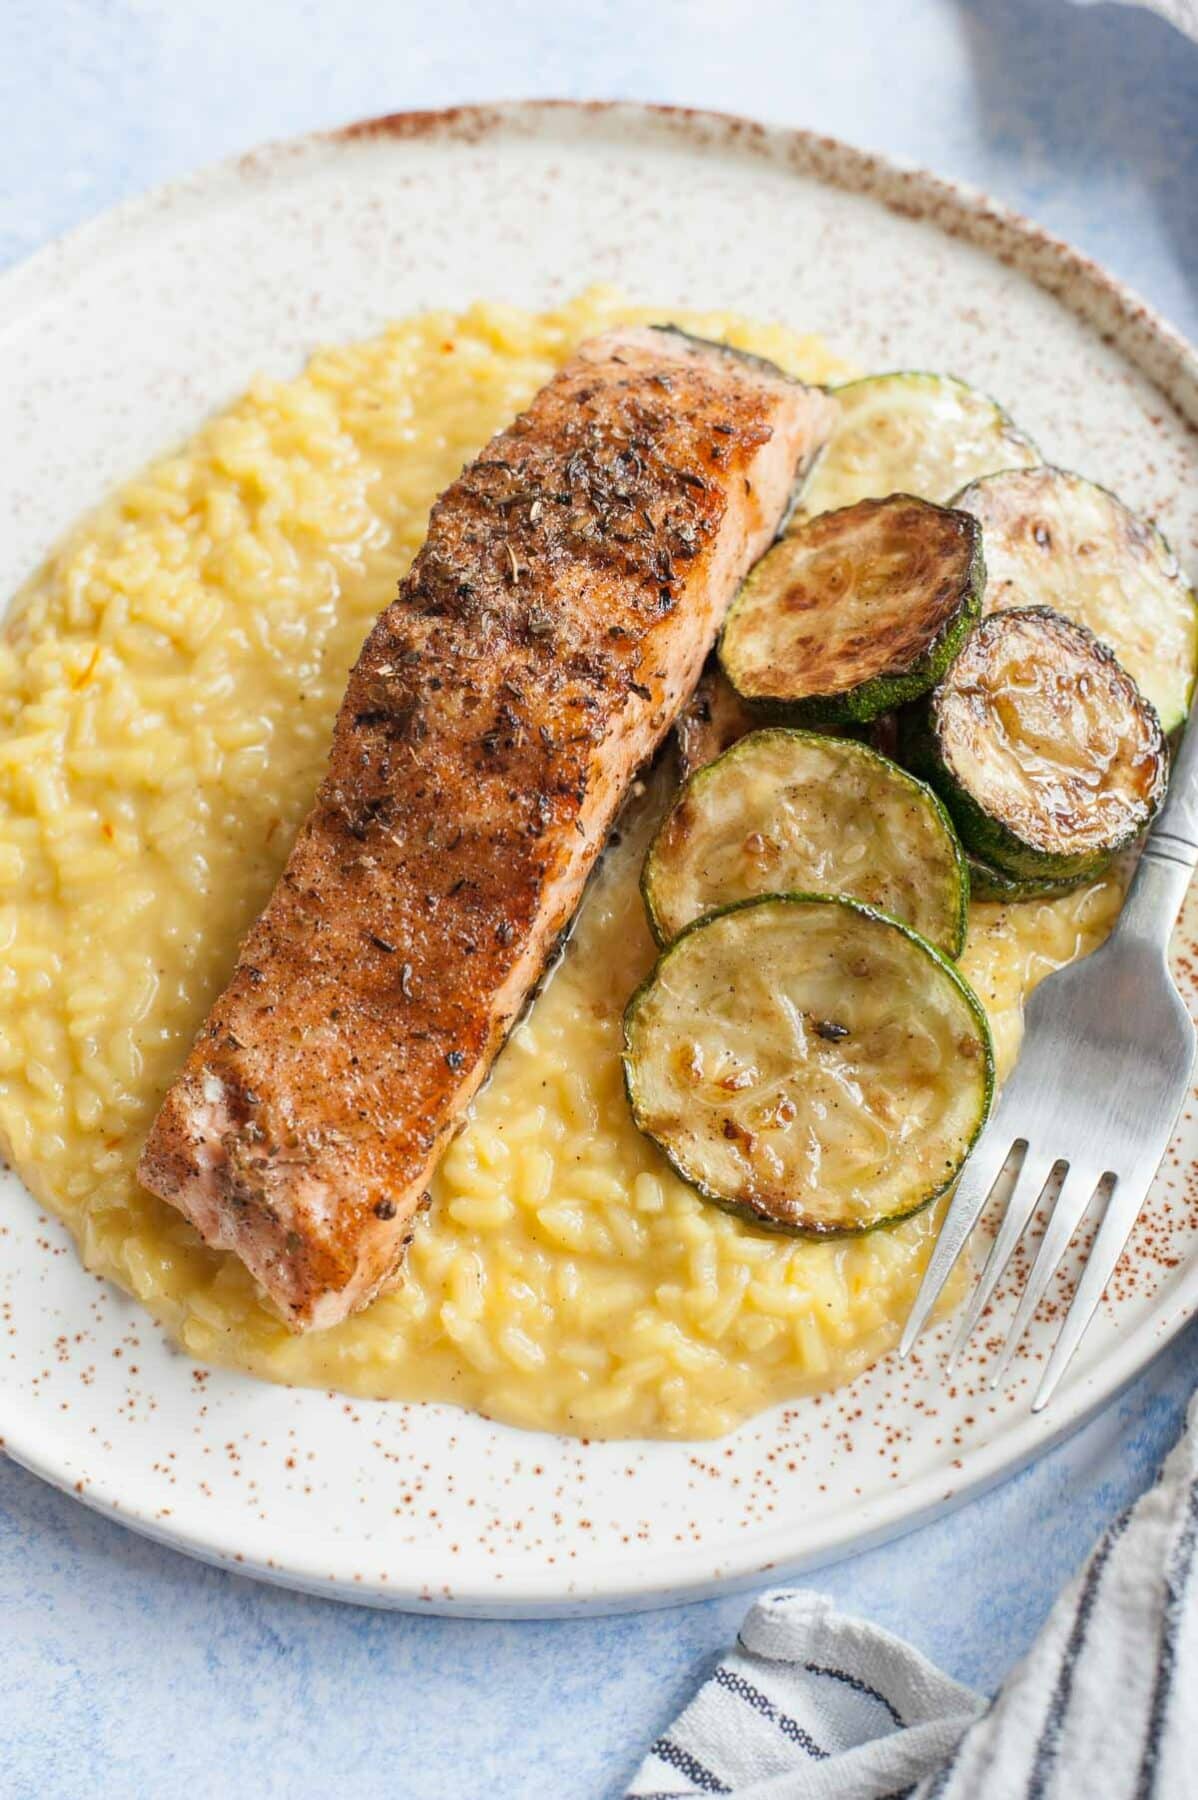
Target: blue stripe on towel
<point x="1058" y="1706"/>
<point x="667" y="1751"/>
<point x="752" y="1696"/>
<point x="1177" y="1579"/>
<point x="859" y="1686"/>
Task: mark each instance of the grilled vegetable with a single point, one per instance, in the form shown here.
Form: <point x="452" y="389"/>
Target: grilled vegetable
<point x="1055" y="540"/>
<point x="912" y="433"/>
<point x="809" y="1063"/>
<point x="856" y="612"/>
<point x="790" y="811"/>
<point x="988" y="883"/>
<point x="1041" y="746"/>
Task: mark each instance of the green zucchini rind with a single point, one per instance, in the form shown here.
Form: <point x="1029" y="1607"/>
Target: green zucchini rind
<point x="858" y="611"/>
<point x="1048" y="757"/>
<point x="787" y="810"/>
<point x="912" y="432"/>
<point x="809" y="1063"/>
<point x="988" y="883"/>
<point x="1054" y="539"/>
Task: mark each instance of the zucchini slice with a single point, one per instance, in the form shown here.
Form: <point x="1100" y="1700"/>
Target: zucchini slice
<point x="1043" y="749"/>
<point x="794" y="810"/>
<point x="1054" y="539"/>
<point x="988" y="883"/>
<point x="809" y="1063"/>
<point x="913" y="433"/>
<point x="858" y="611"/>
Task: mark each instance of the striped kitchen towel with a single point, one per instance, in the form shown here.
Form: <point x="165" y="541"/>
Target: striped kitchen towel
<point x="812" y="1705"/>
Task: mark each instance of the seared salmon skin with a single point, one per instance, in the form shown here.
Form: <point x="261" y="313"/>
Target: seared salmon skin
<point x="571" y="584"/>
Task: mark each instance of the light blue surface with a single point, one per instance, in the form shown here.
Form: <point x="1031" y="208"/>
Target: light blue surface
<point x="129" y="1671"/>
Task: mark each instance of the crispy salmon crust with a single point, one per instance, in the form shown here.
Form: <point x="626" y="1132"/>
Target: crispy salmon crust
<point x="571" y="585"/>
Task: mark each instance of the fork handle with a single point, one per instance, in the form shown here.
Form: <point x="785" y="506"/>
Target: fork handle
<point x="1177" y="821"/>
<point x="1170" y="853"/>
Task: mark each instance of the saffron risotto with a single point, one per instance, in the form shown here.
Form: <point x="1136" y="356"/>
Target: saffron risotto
<point x="168" y="683"/>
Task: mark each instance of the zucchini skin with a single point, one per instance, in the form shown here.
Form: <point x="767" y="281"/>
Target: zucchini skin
<point x="988" y="883"/>
<point x="887" y="766"/>
<point x="814" y="1229"/>
<point x="860" y="705"/>
<point x="939" y="377"/>
<point x="984" y="835"/>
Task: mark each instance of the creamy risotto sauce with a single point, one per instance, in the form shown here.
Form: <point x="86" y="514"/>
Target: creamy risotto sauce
<point x="167" y="688"/>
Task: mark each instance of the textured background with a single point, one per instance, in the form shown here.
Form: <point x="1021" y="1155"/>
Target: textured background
<point x="128" y="1670"/>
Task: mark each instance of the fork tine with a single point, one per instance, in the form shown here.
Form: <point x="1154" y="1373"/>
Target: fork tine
<point x="1123" y="1209"/>
<point x="1077" y="1191"/>
<point x="965" y="1209"/>
<point x="1026" y="1196"/>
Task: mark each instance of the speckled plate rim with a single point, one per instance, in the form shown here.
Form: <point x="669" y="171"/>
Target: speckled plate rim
<point x="1081" y="285"/>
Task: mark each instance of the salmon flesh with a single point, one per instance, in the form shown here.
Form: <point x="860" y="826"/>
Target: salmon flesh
<point x="571" y="585"/>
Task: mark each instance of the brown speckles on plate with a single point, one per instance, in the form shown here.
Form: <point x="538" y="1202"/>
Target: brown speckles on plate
<point x="424" y="1506"/>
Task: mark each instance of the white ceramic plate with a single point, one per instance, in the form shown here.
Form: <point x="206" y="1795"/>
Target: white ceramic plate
<point x="117" y="342"/>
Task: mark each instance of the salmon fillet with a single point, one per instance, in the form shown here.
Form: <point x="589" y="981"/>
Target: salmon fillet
<point x="558" y="615"/>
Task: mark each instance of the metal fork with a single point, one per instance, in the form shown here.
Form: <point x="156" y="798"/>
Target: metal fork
<point x="1105" y="1068"/>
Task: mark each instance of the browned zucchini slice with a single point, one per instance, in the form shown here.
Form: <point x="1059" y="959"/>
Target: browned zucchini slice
<point x="1041" y="746"/>
<point x="857" y="611"/>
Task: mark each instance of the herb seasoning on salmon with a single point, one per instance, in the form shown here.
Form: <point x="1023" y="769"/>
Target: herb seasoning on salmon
<point x="572" y="583"/>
